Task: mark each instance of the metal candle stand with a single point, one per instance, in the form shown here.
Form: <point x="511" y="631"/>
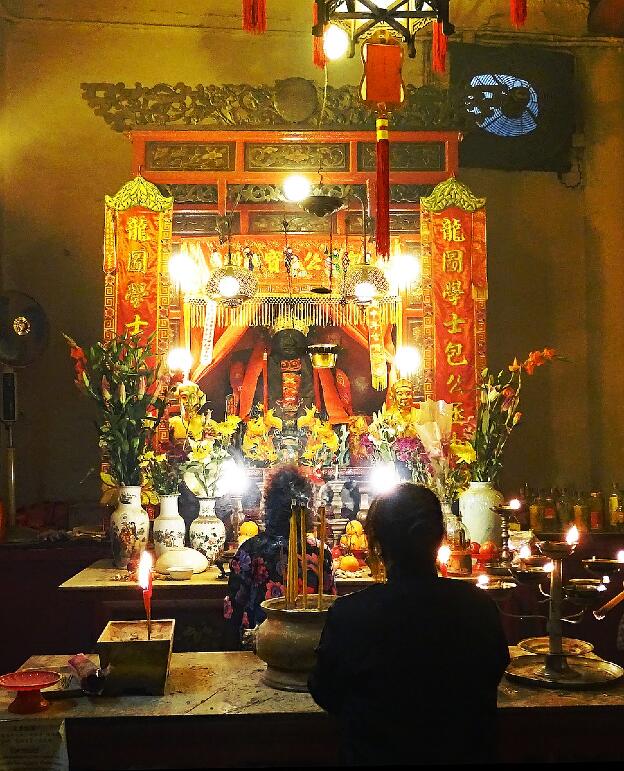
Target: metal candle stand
<point x="547" y="662"/>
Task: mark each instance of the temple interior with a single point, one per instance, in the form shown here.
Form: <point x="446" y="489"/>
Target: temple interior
<point x="265" y="267"/>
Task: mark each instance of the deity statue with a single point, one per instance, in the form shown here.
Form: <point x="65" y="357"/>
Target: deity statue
<point x="402" y="401"/>
<point x="280" y="376"/>
<point x="190" y="421"/>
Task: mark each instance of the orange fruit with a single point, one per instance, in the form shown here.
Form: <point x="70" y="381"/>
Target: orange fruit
<point x="349" y="563"/>
<point x="354" y="527"/>
<point x="248" y="529"/>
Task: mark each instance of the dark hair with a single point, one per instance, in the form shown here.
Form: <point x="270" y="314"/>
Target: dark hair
<point x="407" y="524"/>
<point x="283" y="483"/>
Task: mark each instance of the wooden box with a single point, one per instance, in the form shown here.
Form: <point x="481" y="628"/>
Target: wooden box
<point x="137" y="665"/>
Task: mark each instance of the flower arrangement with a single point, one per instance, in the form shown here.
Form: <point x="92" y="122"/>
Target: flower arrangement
<point x="162" y="473"/>
<point x="321" y="440"/>
<point x="258" y="442"/>
<point x="202" y="470"/>
<point x="498" y="414"/>
<point x="119" y="379"/>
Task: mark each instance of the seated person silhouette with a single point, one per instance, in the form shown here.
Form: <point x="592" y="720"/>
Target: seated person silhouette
<point x="411" y="667"/>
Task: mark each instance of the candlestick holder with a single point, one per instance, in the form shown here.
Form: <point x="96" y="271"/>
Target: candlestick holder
<point x="505" y="513"/>
<point x="559" y="665"/>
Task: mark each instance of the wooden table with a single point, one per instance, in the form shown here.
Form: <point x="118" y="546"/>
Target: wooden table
<point x="196" y="604"/>
<point x="217" y="712"/>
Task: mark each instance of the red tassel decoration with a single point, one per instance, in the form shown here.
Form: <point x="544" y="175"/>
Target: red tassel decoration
<point x="254" y="16"/>
<point x="318" y="52"/>
<point x="382" y="240"/>
<point x="518" y="10"/>
<point x="438" y="48"/>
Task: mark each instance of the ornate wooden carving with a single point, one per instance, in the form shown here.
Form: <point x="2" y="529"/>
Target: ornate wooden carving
<point x="242" y="106"/>
<point x="296" y="157"/>
<point x="404" y="156"/>
<point x="201" y="223"/>
<point x="187" y="156"/>
<point x="271" y="222"/>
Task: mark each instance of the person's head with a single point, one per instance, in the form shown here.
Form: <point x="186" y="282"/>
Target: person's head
<point x="407" y="525"/>
<point x="283" y="483"/>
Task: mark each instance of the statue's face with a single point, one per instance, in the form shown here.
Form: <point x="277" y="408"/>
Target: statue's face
<point x="190" y="397"/>
<point x="404" y="397"/>
<point x="289" y="343"/>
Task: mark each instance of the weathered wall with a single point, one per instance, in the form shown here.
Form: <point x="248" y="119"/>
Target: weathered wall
<point x="554" y="272"/>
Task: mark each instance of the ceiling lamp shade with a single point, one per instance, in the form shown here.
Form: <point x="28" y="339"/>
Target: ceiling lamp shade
<point x="232" y="285"/>
<point x="321" y="205"/>
<point x="365" y="283"/>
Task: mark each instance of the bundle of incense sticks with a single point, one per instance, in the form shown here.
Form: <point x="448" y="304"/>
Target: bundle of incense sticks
<point x="292" y="569"/>
<point x="322" y="534"/>
<point x="304" y="555"/>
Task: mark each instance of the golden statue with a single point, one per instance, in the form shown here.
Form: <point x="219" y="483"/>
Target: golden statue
<point x="189" y="423"/>
<point x="403" y="403"/>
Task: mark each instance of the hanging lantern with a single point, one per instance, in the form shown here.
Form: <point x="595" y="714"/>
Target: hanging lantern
<point x="254" y="16"/>
<point x="382" y="88"/>
<point x="365" y="283"/>
<point x="232" y="285"/>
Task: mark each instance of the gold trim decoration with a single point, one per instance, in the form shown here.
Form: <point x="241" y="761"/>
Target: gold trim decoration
<point x="139" y="192"/>
<point x="451" y="193"/>
<point x="265" y="311"/>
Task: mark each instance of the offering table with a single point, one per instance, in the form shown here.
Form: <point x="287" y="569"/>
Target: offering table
<point x="216" y="712"/>
<point x="196" y="603"/>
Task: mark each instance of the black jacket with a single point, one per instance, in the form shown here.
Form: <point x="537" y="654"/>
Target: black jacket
<point x="411" y="669"/>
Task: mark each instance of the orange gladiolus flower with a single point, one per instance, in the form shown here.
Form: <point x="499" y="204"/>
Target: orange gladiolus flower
<point x="515" y="367"/>
<point x="535" y="359"/>
<point x="549" y="353"/>
<point x="516" y="418"/>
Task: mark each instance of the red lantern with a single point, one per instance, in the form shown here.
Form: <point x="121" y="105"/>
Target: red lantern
<point x="254" y="16"/>
<point x="382" y="88"/>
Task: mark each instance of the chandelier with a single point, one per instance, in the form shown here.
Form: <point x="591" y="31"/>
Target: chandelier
<point x="231" y="285"/>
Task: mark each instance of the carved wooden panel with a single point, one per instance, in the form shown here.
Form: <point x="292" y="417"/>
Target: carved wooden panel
<point x="189" y="156"/>
<point x="200" y="223"/>
<point x="404" y="156"/>
<point x="296" y="157"/>
<point x="272" y="222"/>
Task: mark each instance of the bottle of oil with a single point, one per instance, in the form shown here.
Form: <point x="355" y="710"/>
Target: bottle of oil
<point x="581" y="512"/>
<point x="565" y="510"/>
<point x="596" y="511"/>
<point x="458" y="540"/>
<point x="536" y="513"/>
<point x="614" y="505"/>
<point x="550" y="512"/>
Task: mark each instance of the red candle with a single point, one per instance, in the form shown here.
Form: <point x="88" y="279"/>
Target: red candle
<point x="145" y="581"/>
<point x="444" y="554"/>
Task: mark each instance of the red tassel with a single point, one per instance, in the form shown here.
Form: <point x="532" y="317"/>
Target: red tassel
<point x="254" y="16"/>
<point x="382" y="239"/>
<point x="438" y="48"/>
<point x="518" y="9"/>
<point x="318" y="52"/>
<point x="317" y="389"/>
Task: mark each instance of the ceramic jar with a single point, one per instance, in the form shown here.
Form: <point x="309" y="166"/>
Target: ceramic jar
<point x="169" y="527"/>
<point x="475" y="506"/>
<point x="207" y="532"/>
<point x="129" y="527"/>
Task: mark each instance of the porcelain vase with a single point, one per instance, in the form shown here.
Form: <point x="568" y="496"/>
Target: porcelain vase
<point x="475" y="507"/>
<point x="169" y="526"/>
<point x="207" y="532"/>
<point x="129" y="527"/>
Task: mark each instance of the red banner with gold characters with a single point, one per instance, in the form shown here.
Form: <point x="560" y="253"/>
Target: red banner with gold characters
<point x="136" y="251"/>
<point x="453" y="233"/>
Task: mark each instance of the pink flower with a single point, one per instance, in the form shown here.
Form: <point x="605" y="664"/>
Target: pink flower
<point x="274" y="590"/>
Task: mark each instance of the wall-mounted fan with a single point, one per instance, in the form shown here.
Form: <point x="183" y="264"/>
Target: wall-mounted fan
<point x="24" y="333"/>
<point x="515" y="106"/>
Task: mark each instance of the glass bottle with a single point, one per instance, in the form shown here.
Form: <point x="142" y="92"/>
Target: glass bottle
<point x="596" y="511"/>
<point x="550" y="512"/>
<point x="536" y="513"/>
<point x="620" y="517"/>
<point x="522" y="515"/>
<point x="458" y="540"/>
<point x="614" y="505"/>
<point x="565" y="509"/>
<point x="581" y="512"/>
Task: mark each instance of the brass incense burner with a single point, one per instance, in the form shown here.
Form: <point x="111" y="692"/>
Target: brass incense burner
<point x="323" y="355"/>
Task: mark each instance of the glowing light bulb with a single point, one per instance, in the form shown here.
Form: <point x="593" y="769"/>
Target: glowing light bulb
<point x="620" y="556"/>
<point x="232" y="479"/>
<point x="180" y="360"/>
<point x="296" y="187"/>
<point x="525" y="552"/>
<point x="514" y="504"/>
<point x="403" y="271"/>
<point x="407" y="360"/>
<point x="384" y="478"/>
<point x="184" y="272"/>
<point x="365" y="291"/>
<point x="229" y="286"/>
<point x="444" y="554"/>
<point x="335" y="42"/>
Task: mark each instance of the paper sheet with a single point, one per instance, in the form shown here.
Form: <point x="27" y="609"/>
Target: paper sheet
<point x="33" y="745"/>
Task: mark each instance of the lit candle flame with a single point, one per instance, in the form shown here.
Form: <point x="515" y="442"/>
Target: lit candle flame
<point x="572" y="536"/>
<point x="549" y="567"/>
<point x="620" y="556"/>
<point x="145" y="568"/>
<point x="606" y="580"/>
<point x="525" y="551"/>
<point x="483" y="581"/>
<point x="444" y="554"/>
<point x="602" y="588"/>
<point x="515" y="504"/>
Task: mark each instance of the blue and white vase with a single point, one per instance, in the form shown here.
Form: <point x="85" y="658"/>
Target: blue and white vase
<point x="169" y="527"/>
<point x="129" y="527"/>
<point x="207" y="532"/>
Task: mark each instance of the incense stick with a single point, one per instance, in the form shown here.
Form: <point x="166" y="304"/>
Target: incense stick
<point x="304" y="557"/>
<point x="321" y="562"/>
